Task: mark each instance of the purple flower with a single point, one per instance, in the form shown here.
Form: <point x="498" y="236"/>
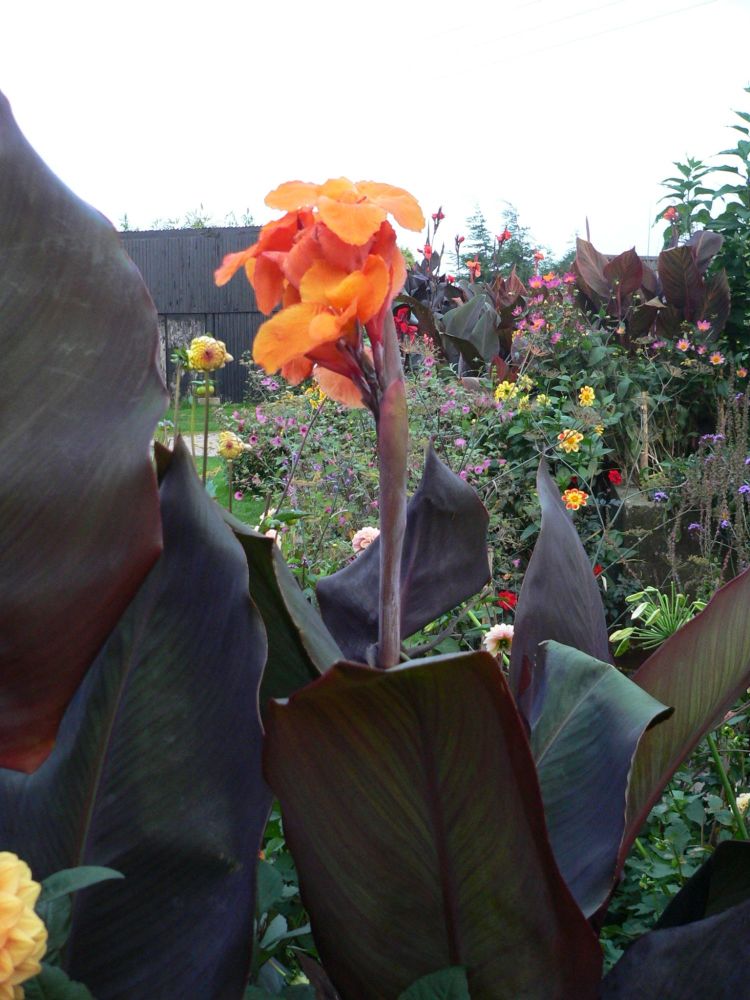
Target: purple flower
<point x="744" y="489"/>
<point x="694" y="527"/>
<point x="460" y="442"/>
<point x="724" y="523"/>
<point x="660" y="496"/>
<point x="238" y="495"/>
<point x="463" y="474"/>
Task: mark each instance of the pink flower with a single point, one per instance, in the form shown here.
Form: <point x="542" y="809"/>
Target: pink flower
<point x="437" y="216"/>
<point x="683" y="344"/>
<point x="535" y="281"/>
<point x="427" y="251"/>
<point x="703" y="325"/>
<point x="460" y="442"/>
<point x="569" y="278"/>
<point x="238" y="495"/>
<point x="364" y="538"/>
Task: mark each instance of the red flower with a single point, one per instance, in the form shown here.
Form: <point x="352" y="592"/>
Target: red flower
<point x="401" y="321"/>
<point x="615" y="477"/>
<point x="507" y="599"/>
<point x="450" y="278"/>
<point x="459" y="240"/>
<point x="427" y="251"/>
<point x="437" y="216"/>
<point x="598" y="569"/>
<point x="504" y="236"/>
<point x="538" y="255"/>
<point x="671" y="214"/>
<point x="475" y="268"/>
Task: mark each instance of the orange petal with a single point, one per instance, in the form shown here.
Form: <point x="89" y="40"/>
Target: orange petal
<point x="366" y="289"/>
<point x="297" y="370"/>
<point x="279" y="234"/>
<point x="398" y="274"/>
<point x="290" y="296"/>
<point x="355" y="223"/>
<point x="339" y="253"/>
<point x="293" y="195"/>
<point x="340" y="189"/>
<point x="302" y="256"/>
<point x="293" y="332"/>
<point x="403" y="206"/>
<point x="268" y="282"/>
<point x="338" y="387"/>
<point x="232" y="263"/>
<point x="320" y="282"/>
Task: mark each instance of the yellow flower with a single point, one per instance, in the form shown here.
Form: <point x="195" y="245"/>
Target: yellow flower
<point x="506" y="390"/>
<point x="230" y="446"/>
<point x="523" y="402"/>
<point x="569" y="440"/>
<point x="573" y="499"/>
<point x="23" y="936"/>
<point x="206" y="354"/>
<point x="586" y="396"/>
<point x="542" y="399"/>
<point x="315" y="396"/>
<point x="524" y="383"/>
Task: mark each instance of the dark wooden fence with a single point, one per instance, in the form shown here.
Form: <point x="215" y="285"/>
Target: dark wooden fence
<point x="178" y="268"/>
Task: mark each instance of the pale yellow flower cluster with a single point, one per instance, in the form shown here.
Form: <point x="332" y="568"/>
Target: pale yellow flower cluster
<point x="23" y="936"/>
<point x="206" y="354"/>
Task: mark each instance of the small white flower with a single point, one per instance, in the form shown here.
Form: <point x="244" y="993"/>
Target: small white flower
<point x="743" y="801"/>
<point x="498" y="639"/>
<point x="363" y="538"/>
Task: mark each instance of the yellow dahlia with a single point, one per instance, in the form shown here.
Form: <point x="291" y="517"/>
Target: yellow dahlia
<point x="569" y="440"/>
<point x="573" y="499"/>
<point x="23" y="936"/>
<point x="586" y="396"/>
<point x="206" y="354"/>
<point x="230" y="446"/>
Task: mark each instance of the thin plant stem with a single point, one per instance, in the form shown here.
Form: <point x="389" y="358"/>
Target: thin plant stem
<point x="230" y="478"/>
<point x="295" y="463"/>
<point x="731" y="798"/>
<point x="176" y="413"/>
<point x="393" y="446"/>
<point x="207" y="376"/>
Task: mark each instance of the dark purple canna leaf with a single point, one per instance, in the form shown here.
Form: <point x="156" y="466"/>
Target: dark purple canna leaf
<point x="701" y="671"/>
<point x="413" y="812"/>
<point x="705" y="245"/>
<point x="300" y="647"/>
<point x="589" y="267"/>
<point x="717" y="302"/>
<point x="156" y="773"/>
<point x="699" y="947"/>
<point x="559" y="599"/>
<point x="444" y="562"/>
<point x="624" y="273"/>
<point x="583" y="743"/>
<point x="82" y="397"/>
<point x="681" y="281"/>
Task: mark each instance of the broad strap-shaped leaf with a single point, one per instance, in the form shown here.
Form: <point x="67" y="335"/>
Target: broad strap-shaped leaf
<point x="705" y="244"/>
<point x="624" y="273"/>
<point x="701" y="671"/>
<point x="559" y="599"/>
<point x="589" y="266"/>
<point x="717" y="302"/>
<point x="721" y="882"/>
<point x="681" y="281"/>
<point x="583" y="743"/>
<point x="413" y="812"/>
<point x="700" y="960"/>
<point x="82" y="395"/>
<point x="444" y="562"/>
<point x="300" y="647"/>
<point x="156" y="773"/>
<point x="472" y="328"/>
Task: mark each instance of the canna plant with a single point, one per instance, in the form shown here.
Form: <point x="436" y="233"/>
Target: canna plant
<point x="457" y="833"/>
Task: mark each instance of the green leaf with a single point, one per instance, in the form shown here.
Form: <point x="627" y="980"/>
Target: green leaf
<point x="80" y="335"/>
<point x="53" y="983"/>
<point x="701" y="671"/>
<point x="69" y="880"/>
<point x="583" y="742"/>
<point x="156" y="772"/>
<point x="270" y="887"/>
<point x="447" y="984"/>
<point x="424" y="773"/>
<point x="275" y="931"/>
<point x="473" y="328"/>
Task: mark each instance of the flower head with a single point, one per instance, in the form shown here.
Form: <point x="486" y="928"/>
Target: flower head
<point x="427" y="251"/>
<point x="615" y="477"/>
<point x="717" y="358"/>
<point x="586" y="396"/>
<point x="230" y="446"/>
<point x="703" y="325"/>
<point x="206" y="354"/>
<point x="507" y="599"/>
<point x="23" y="936"/>
<point x="671" y="214"/>
<point x="498" y="639"/>
<point x="504" y="236"/>
<point x="364" y="538"/>
<point x="683" y="344"/>
<point x="659" y="496"/>
<point x="575" y="498"/>
<point x="506" y="390"/>
<point x="599" y="430"/>
<point x="569" y="440"/>
<point x="474" y="268"/>
<point x="742" y="373"/>
<point x="743" y="801"/>
<point x="438" y="216"/>
<point x="538" y="255"/>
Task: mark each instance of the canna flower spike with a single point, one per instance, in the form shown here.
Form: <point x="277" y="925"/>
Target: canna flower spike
<point x="333" y="264"/>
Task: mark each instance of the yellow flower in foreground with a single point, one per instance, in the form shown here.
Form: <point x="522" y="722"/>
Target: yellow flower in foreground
<point x="506" y="390"/>
<point x="206" y="354"/>
<point x="23" y="936"/>
<point x="599" y="430"/>
<point x="569" y="440"/>
<point x="573" y="499"/>
<point x="230" y="446"/>
<point x="586" y="396"/>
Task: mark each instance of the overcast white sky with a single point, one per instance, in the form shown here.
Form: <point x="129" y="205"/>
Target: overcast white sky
<point x="566" y="108"/>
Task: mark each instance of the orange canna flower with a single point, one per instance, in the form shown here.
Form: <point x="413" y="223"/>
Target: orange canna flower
<point x="474" y="267"/>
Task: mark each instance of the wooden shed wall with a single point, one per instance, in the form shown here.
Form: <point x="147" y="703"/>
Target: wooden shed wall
<point x="178" y="267"/>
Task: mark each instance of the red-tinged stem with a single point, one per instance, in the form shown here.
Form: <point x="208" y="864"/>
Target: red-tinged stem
<point x="393" y="445"/>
